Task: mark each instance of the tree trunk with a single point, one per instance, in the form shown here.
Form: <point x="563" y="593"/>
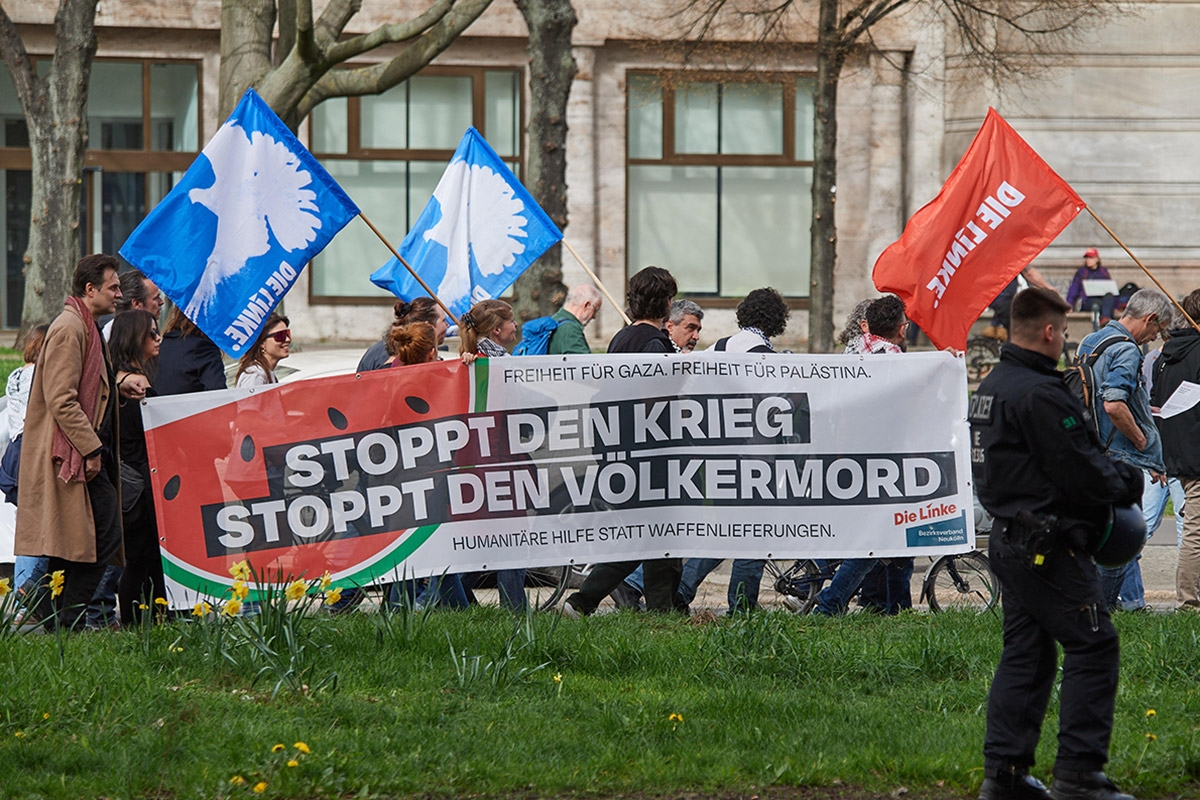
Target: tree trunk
<point x="247" y="30"/>
<point x="540" y="291"/>
<point x="824" y="189"/>
<point x="57" y="122"/>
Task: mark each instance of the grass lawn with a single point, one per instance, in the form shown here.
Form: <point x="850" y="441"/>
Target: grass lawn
<point x="10" y="359"/>
<point x="480" y="703"/>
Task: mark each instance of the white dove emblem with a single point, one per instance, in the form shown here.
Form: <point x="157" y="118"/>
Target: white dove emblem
<point x="259" y="183"/>
<point x="480" y="214"/>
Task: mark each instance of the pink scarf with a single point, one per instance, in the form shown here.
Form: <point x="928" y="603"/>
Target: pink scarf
<point x="63" y="452"/>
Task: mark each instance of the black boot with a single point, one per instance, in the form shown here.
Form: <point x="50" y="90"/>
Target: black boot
<point x="1085" y="786"/>
<point x="1013" y="786"/>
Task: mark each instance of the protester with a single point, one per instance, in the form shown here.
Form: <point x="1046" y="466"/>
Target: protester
<point x="137" y="292"/>
<point x="274" y="343"/>
<point x="69" y="508"/>
<point x="134" y="345"/>
<point x="28" y="571"/>
<point x="1041" y="474"/>
<point x="420" y="309"/>
<point x="1077" y="295"/>
<point x="581" y="307"/>
<point x="684" y="325"/>
<point x="649" y="297"/>
<point x="188" y="361"/>
<point x="1127" y="429"/>
<point x="1000" y="323"/>
<point x="1154" y="499"/>
<point x="487" y="331"/>
<point x="856" y="325"/>
<point x="1180" y="362"/>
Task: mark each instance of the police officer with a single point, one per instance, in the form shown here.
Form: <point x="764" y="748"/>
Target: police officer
<point x="1040" y="472"/>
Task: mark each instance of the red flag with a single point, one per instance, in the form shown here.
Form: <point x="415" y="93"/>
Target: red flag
<point x="999" y="208"/>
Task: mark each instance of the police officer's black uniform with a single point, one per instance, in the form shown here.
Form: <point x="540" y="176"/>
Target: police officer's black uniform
<point x="1039" y="470"/>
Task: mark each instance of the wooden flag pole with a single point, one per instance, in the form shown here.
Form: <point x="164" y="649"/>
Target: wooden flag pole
<point x="400" y="258"/>
<point x="596" y="281"/>
<point x="1108" y="230"/>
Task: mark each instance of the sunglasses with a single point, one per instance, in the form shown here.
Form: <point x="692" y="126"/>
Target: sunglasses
<point x="282" y="336"/>
<point x="155" y="335"/>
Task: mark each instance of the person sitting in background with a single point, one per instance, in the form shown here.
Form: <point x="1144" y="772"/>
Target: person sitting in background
<point x="1077" y="294"/>
<point x="684" y="325"/>
<point x="581" y="306"/>
<point x="274" y="343"/>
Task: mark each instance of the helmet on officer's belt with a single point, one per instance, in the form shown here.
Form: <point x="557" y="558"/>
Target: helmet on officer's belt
<point x="1122" y="538"/>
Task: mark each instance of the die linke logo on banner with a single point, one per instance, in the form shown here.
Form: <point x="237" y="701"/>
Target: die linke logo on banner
<point x="1000" y="207"/>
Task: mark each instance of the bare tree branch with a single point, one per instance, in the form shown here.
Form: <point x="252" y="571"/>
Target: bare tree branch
<point x="386" y="34"/>
<point x="380" y="77"/>
<point x="333" y="21"/>
<point x="30" y="90"/>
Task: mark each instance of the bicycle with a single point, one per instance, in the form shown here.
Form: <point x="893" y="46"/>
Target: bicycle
<point x="960" y="580"/>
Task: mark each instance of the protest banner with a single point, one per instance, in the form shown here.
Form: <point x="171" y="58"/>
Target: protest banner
<point x="547" y="460"/>
<point x="1000" y="207"/>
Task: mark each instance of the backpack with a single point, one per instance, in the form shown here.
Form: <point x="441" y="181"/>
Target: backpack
<point x="1082" y="382"/>
<point x="535" y="337"/>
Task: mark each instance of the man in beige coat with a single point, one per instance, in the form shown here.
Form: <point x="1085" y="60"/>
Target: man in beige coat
<point x="68" y="507"/>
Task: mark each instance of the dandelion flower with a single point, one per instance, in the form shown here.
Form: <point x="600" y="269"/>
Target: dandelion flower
<point x="333" y="596"/>
<point x="240" y="570"/>
<point x="56" y="582"/>
<point x="5" y="587"/>
<point x="675" y="718"/>
<point x="277" y="748"/>
<point x="302" y="747"/>
<point x="260" y="787"/>
<point x="19" y="734"/>
<point x="232" y="608"/>
<point x="1152" y="737"/>
<point x="46" y="715"/>
<point x="293" y="762"/>
<point x="240" y="590"/>
<point x="326" y="579"/>
<point x="176" y="649"/>
<point x="160" y="601"/>
<point x="1150" y="712"/>
<point x="238" y="780"/>
<point x="295" y="590"/>
<point x="143" y="607"/>
<point x="201" y="609"/>
<point x="558" y="677"/>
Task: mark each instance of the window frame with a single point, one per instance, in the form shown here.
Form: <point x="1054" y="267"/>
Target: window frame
<point x="355" y="152"/>
<point x="668" y="81"/>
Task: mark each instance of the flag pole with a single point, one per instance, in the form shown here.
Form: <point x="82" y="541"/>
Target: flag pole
<point x="596" y="281"/>
<point x="412" y="272"/>
<point x="1150" y="275"/>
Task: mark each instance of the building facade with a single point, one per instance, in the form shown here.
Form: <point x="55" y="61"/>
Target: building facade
<point x="693" y="157"/>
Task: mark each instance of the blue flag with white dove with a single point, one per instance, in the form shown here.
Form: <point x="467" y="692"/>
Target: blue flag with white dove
<point x="230" y="239"/>
<point x="479" y="232"/>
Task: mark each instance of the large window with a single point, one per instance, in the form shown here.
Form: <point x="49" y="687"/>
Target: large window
<point x="388" y="152"/>
<point x="720" y="181"/>
<point x="143" y="133"/>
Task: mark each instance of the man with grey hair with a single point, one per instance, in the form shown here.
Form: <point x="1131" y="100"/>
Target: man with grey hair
<point x="1127" y="429"/>
<point x="684" y="325"/>
<point x="581" y="306"/>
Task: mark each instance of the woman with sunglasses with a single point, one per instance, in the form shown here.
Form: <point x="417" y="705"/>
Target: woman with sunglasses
<point x="257" y="367"/>
<point x="133" y="346"/>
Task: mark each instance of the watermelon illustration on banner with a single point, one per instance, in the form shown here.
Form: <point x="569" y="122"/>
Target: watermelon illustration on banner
<point x="230" y="239"/>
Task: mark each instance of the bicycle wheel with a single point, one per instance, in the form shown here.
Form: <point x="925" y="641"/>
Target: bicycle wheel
<point x="982" y="354"/>
<point x="962" y="581"/>
<point x="797" y="583"/>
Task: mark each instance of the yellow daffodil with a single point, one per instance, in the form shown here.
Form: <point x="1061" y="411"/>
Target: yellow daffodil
<point x="160" y="601"/>
<point x="201" y="609"/>
<point x="237" y="780"/>
<point x="295" y="590"/>
<point x="239" y="590"/>
<point x="302" y="747"/>
<point x="240" y="570"/>
<point x="232" y="608"/>
<point x="260" y="787"/>
<point x="5" y="587"/>
<point x="277" y="748"/>
<point x="293" y="763"/>
<point x="333" y="596"/>
<point x="675" y="718"/>
<point x="326" y="579"/>
<point x="1150" y="712"/>
<point x="56" y="582"/>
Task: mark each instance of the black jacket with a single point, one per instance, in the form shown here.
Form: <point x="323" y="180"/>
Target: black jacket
<point x="1179" y="362"/>
<point x="188" y="364"/>
<point x="1031" y="450"/>
<point x="640" y="339"/>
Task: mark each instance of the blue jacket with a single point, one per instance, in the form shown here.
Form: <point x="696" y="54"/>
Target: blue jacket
<point x="1119" y="372"/>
